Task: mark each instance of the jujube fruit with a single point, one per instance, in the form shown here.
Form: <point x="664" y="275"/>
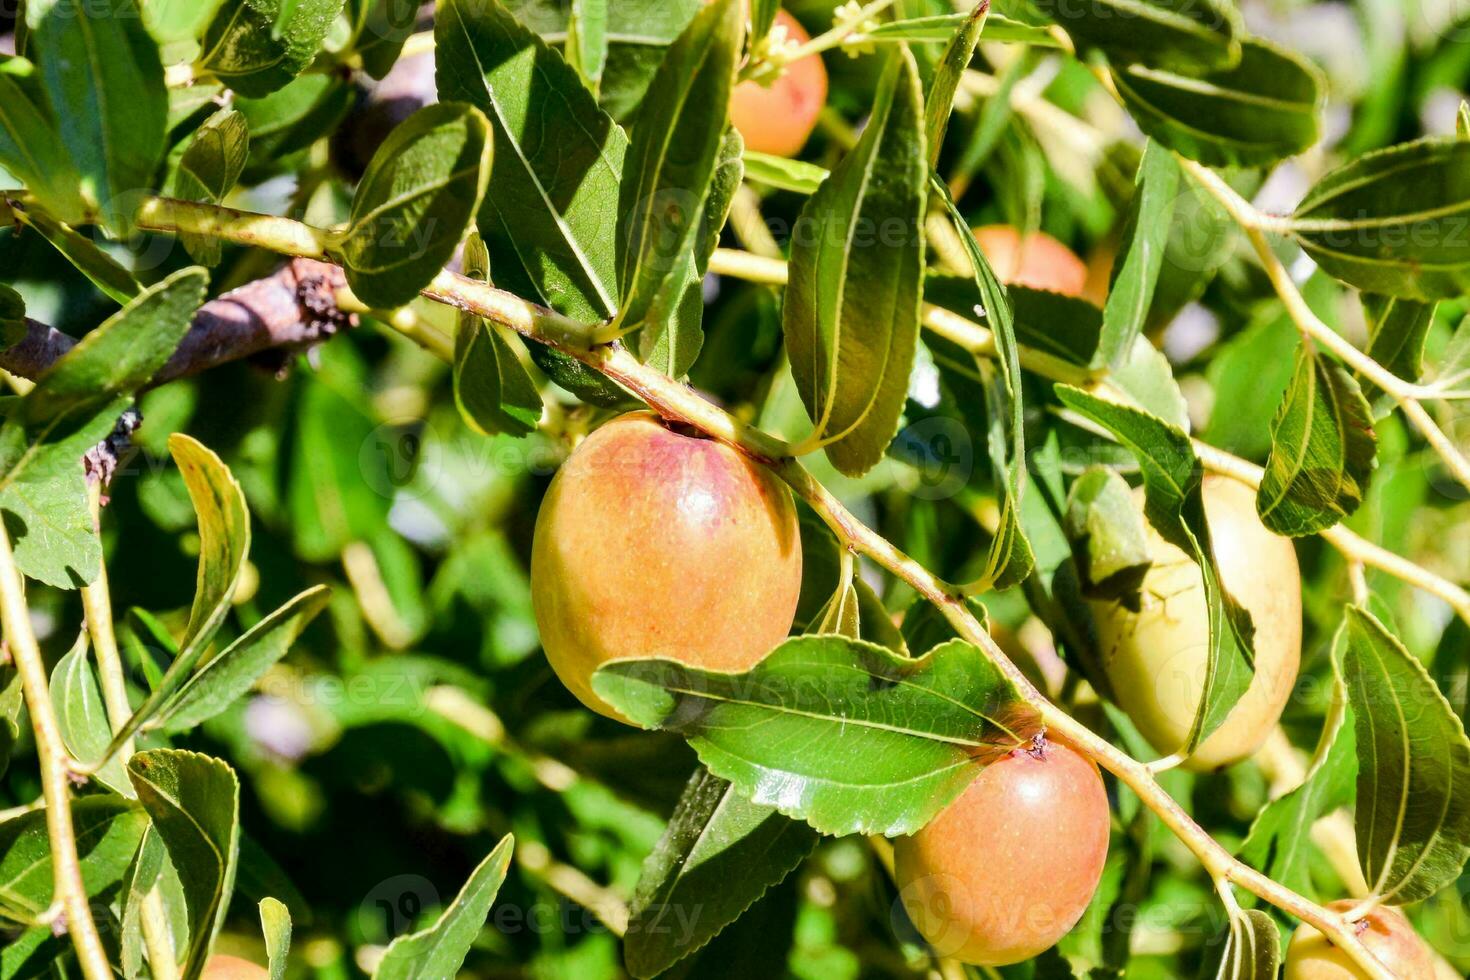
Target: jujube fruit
<point x="1037" y="261"/>
<point x="1384" y="931"/>
<point x="778" y="118"/>
<point x="1156" y="658"/>
<point x="651" y="543"/>
<point x="222" y="966"/>
<point x="1009" y="867"/>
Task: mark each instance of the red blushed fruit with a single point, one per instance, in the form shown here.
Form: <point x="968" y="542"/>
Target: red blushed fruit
<point x="650" y="543"/>
<point x="778" y="118"/>
<point x="221" y="966"/>
<point x="1010" y="866"/>
<point x="1384" y="931"/>
<point x="1038" y="262"/>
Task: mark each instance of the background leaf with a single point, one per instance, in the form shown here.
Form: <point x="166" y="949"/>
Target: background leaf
<point x="1173" y="34"/>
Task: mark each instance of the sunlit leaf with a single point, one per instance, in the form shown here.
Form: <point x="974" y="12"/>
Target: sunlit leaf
<point x="258" y="46"/>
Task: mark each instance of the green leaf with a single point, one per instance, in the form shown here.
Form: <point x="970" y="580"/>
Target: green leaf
<point x="275" y="923"/>
<point x="414" y="203"/>
<point x="1279" y="842"/>
<point x="672" y="160"/>
<point x="178" y="20"/>
<point x="1174" y="505"/>
<point x="382" y="28"/>
<point x="194" y="802"/>
<point x="1109" y="539"/>
<point x="1064" y="327"/>
<point x="295" y="117"/>
<point x="224" y="543"/>
<point x="1413" y="812"/>
<point x="151" y="872"/>
<point x="207" y="171"/>
<point x="1263" y="110"/>
<point x="439" y="950"/>
<point x="587" y="40"/>
<point x="73" y="406"/>
<point x="30" y="142"/>
<point x="1251" y="948"/>
<point x="942" y="27"/>
<point x="82" y="716"/>
<point x="258" y="46"/>
<point x="102" y="269"/>
<point x="1323" y="450"/>
<point x="1393" y="222"/>
<point x="104" y="82"/>
<point x="939" y="101"/>
<point x="844" y="734"/>
<point x="1452" y="377"/>
<point x="12" y="317"/>
<point x="851" y="313"/>
<point x="232" y="673"/>
<point x="107" y="828"/>
<point x="1145" y="239"/>
<point x="493" y="391"/>
<point x="548" y="216"/>
<point x="1397" y="329"/>
<point x="719" y="854"/>
<point x="783" y="173"/>
<point x="1009" y="559"/>
<point x="1182" y="35"/>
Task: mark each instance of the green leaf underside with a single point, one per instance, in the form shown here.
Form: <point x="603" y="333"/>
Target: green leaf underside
<point x="1323" y="449"/>
<point x="102" y="269"/>
<point x="548" y="216"/>
<point x="1263" y="110"/>
<point x="492" y="389"/>
<point x="1279" y="842"/>
<point x="1145" y="239"/>
<point x="108" y="829"/>
<point x="1110" y="540"/>
<point x="1397" y="329"/>
<point x="942" y="27"/>
<point x="439" y="950"/>
<point x="258" y="46"/>
<point x="783" y="173"/>
<point x="586" y="45"/>
<point x="1395" y="222"/>
<point x="194" y="803"/>
<point x="30" y="142"/>
<point x="672" y="158"/>
<point x="1413" y="810"/>
<point x="851" y="311"/>
<point x="75" y="405"/>
<point x="208" y="169"/>
<point x="1180" y="34"/>
<point x="1009" y="558"/>
<point x="82" y="717"/>
<point x="1174" y="504"/>
<point x="236" y="668"/>
<point x="224" y="533"/>
<point x="939" y="99"/>
<point x="275" y="925"/>
<point x="844" y="734"/>
<point x="412" y="206"/>
<point x="1252" y="948"/>
<point x="719" y="854"/>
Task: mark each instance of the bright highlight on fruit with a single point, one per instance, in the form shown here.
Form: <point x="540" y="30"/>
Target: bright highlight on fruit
<point x="651" y="543"/>
<point x="1010" y="866"/>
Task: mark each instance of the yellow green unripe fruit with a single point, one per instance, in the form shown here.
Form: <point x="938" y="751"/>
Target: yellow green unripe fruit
<point x="1155" y="658"/>
<point x="1009" y="867"/>
<point x="1385" y="932"/>
<point x="652" y="543"/>
<point x="778" y="118"/>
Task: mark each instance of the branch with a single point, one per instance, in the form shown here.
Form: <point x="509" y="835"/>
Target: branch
<point x="679" y="402"/>
<point x="291" y="310"/>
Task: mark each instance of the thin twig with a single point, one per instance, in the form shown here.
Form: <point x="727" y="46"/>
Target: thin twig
<point x="71" y="890"/>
